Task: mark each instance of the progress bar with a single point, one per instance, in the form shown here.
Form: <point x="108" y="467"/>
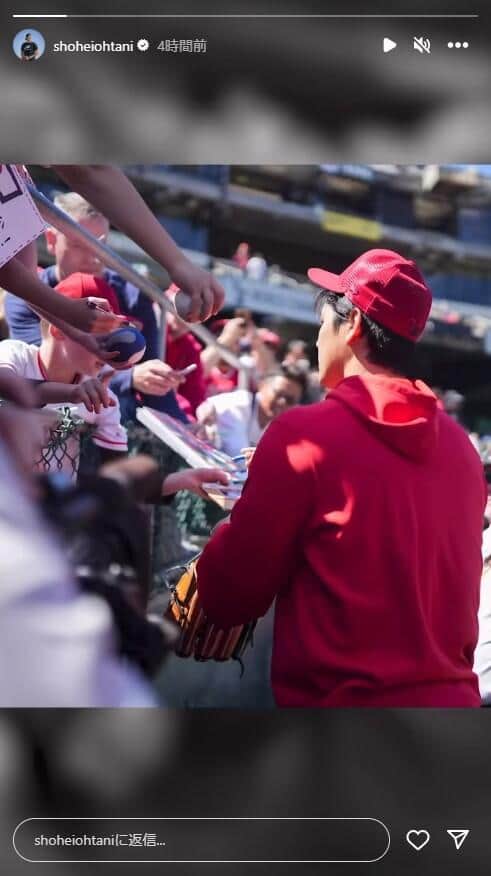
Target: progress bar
<point x="231" y="15"/>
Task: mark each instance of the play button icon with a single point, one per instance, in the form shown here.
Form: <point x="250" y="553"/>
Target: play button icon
<point x="389" y="45"/>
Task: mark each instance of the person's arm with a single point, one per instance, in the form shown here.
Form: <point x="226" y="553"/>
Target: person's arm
<point x="265" y="358"/>
<point x="24" y="320"/>
<point x="145" y="482"/>
<point x="210" y="357"/>
<point x="91" y="392"/>
<point x="150" y="377"/>
<point x="192" y="479"/>
<point x="57" y="309"/>
<point x="229" y="337"/>
<point x="249" y="559"/>
<point x="137" y="306"/>
<point x="111" y="192"/>
<point x="17" y="389"/>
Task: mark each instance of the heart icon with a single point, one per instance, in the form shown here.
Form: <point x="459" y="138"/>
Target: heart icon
<point x="418" y="839"/>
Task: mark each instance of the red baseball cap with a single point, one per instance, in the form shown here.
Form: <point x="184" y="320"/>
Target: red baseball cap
<point x="387" y="287"/>
<point x="87" y="286"/>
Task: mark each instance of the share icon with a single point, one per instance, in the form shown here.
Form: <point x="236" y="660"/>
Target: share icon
<point x="459" y="837"/>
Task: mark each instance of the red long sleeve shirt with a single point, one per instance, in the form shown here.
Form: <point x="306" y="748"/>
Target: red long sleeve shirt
<point x="181" y="352"/>
<point x="363" y="516"/>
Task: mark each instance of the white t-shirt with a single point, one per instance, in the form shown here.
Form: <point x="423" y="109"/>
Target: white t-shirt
<point x="25" y="361"/>
<point x="57" y="644"/>
<point x="237" y="421"/>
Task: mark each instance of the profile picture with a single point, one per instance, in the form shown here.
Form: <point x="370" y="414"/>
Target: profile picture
<point x="29" y="45"/>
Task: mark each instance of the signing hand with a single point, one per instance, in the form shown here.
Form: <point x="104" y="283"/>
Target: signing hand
<point x="93" y="315"/>
<point x="205" y="292"/>
<point x="155" y="377"/>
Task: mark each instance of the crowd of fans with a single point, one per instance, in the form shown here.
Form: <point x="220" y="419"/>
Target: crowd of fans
<point x="67" y="537"/>
<point x="44" y="367"/>
<point x="230" y="407"/>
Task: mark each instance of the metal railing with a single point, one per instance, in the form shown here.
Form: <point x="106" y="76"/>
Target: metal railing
<point x="64" y="223"/>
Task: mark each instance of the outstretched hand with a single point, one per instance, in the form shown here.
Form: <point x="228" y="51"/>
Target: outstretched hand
<point x="93" y="392"/>
<point x="206" y="295"/>
<point x="192" y="479"/>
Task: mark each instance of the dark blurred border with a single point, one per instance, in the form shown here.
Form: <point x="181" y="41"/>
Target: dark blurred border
<point x="267" y="90"/>
<point x="411" y="769"/>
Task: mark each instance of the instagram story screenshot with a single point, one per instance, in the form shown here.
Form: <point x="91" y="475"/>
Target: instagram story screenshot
<point x="245" y="437"/>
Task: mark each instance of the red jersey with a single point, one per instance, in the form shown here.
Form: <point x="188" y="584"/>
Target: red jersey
<point x="363" y="516"/>
<point x="181" y="352"/>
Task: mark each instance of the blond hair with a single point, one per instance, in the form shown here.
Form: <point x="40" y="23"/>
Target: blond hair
<point x="76" y="206"/>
